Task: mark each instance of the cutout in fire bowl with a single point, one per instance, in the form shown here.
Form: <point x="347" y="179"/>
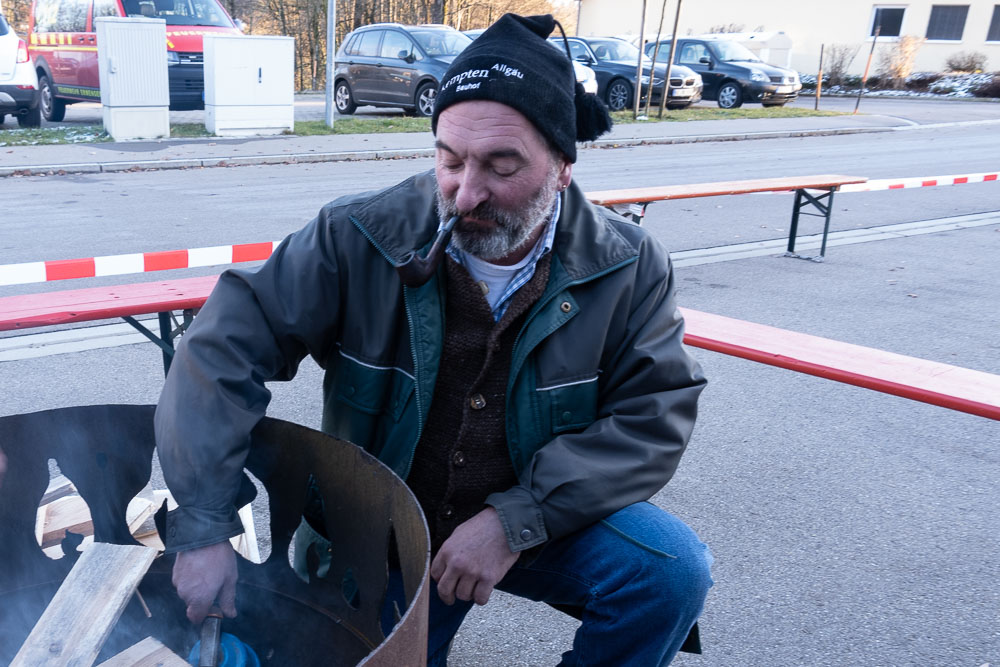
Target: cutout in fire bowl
<point x="106" y="451"/>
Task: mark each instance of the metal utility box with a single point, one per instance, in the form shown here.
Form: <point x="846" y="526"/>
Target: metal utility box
<point x="249" y="84"/>
<point x="132" y="65"/>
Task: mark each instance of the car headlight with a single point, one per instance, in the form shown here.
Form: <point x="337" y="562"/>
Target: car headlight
<point x="173" y="58"/>
<point x="757" y="75"/>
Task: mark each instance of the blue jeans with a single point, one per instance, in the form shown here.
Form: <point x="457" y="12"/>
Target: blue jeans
<point x="641" y="576"/>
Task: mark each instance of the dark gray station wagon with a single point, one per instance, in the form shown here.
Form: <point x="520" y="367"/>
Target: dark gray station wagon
<point x="394" y="65"/>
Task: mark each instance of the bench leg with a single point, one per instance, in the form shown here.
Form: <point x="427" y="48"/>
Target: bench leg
<point x="168" y="331"/>
<point x="822" y="203"/>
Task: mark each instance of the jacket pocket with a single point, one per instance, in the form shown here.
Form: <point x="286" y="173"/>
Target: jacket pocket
<point x="372" y="390"/>
<point x="572" y="406"/>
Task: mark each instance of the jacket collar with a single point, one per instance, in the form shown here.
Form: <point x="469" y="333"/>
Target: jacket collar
<point x="403" y="218"/>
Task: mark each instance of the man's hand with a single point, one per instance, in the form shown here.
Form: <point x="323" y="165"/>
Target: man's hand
<point x="473" y="560"/>
<point x="204" y="576"/>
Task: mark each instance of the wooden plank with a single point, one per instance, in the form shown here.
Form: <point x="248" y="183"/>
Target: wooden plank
<point x="688" y="191"/>
<point x="80" y="617"/>
<point x="953" y="387"/>
<point x="98" y="303"/>
<point x="70" y="513"/>
<point x="147" y="653"/>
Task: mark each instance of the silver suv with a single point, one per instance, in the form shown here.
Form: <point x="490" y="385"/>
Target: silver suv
<point x="18" y="81"/>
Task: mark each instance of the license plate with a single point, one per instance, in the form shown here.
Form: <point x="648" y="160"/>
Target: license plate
<point x="680" y="92"/>
<point x="784" y="89"/>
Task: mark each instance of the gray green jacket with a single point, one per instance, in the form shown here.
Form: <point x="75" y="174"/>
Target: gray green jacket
<point x="601" y="398"/>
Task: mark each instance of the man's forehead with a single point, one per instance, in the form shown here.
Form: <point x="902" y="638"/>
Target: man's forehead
<point x="481" y="125"/>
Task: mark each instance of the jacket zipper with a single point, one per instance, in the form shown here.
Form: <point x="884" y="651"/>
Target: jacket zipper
<point x="413" y="349"/>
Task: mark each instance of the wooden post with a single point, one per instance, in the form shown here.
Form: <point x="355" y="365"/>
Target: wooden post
<point x="86" y="607"/>
<point x="864" y="79"/>
<point x="670" y="58"/>
<point x="652" y="65"/>
<point x="637" y="92"/>
<point x="819" y="77"/>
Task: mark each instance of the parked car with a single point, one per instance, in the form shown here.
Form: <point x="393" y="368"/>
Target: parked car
<point x="731" y="72"/>
<point x="18" y="82"/>
<point x="394" y="65"/>
<point x="62" y="40"/>
<point x="614" y="62"/>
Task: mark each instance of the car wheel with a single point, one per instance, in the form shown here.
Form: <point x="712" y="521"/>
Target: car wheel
<point x="618" y="95"/>
<point x="53" y="109"/>
<point x="426" y="95"/>
<point x="31" y="119"/>
<point x="2" y="118"/>
<point x="343" y="100"/>
<point x="730" y="96"/>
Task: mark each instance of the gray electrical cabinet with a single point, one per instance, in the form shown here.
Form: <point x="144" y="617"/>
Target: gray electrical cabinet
<point x="249" y="84"/>
<point x="132" y="65"/>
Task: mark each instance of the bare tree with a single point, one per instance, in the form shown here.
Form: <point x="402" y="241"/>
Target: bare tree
<point x="895" y="62"/>
<point x="838" y="61"/>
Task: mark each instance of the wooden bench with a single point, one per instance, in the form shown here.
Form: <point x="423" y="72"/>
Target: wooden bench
<point x="163" y="298"/>
<point x="931" y="382"/>
<point x="624" y="200"/>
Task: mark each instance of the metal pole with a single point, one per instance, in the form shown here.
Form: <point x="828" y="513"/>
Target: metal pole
<point x="670" y="59"/>
<point x="864" y="79"/>
<point x="638" y="66"/>
<point x="652" y="66"/>
<point x="331" y="54"/>
<point x="819" y="77"/>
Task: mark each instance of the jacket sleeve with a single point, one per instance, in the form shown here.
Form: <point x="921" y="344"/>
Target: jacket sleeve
<point x="256" y="326"/>
<point x="645" y="414"/>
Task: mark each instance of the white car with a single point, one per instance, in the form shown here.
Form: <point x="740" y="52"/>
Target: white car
<point x="585" y="76"/>
<point x="18" y="81"/>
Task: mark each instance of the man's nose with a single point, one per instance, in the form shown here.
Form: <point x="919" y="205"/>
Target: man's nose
<point x="472" y="191"/>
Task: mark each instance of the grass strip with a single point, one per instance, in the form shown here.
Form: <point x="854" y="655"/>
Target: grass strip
<point x="381" y="125"/>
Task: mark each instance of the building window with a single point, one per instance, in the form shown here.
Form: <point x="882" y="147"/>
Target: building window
<point x="888" y="21"/>
<point x="947" y="22"/>
<point x="993" y="35"/>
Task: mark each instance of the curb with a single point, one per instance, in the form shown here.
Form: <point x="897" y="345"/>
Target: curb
<point x="392" y="154"/>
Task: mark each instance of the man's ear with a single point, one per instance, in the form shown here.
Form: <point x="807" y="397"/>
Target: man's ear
<point x="565" y="174"/>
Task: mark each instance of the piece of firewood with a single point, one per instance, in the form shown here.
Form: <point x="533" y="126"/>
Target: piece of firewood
<point x="80" y="617"/>
<point x="147" y="653"/>
<point x="69" y="513"/>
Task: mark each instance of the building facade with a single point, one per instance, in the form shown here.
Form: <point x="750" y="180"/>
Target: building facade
<point x="948" y="28"/>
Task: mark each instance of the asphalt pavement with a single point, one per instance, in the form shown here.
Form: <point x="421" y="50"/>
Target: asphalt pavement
<point x="849" y="527"/>
<point x="879" y="116"/>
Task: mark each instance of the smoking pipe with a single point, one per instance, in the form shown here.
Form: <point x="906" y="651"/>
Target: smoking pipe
<point x="417" y="270"/>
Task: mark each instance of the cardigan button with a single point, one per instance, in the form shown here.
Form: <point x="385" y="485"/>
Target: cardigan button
<point x="477" y="402"/>
<point x="525" y="534"/>
<point x="458" y="458"/>
<point x="565" y="306"/>
<point x="566" y="417"/>
<point x="447" y="512"/>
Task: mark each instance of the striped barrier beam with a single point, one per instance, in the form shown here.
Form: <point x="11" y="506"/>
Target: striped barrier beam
<point x="919" y="182"/>
<point x="115" y="265"/>
<point x="142" y="262"/>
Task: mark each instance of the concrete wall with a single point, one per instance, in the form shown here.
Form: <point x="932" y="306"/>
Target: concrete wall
<point x="808" y="23"/>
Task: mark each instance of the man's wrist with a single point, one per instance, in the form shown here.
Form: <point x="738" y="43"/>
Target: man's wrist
<point x="521" y="518"/>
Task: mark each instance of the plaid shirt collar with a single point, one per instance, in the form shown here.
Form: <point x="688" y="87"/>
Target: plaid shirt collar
<point x="543" y="246"/>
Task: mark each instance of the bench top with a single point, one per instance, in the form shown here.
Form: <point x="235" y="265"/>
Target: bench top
<point x="953" y="387"/>
<point x="664" y="192"/>
<point x="100" y="303"/>
<point x="940" y="384"/>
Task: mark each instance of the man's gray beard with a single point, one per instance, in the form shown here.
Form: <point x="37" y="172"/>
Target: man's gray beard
<point x="512" y="229"/>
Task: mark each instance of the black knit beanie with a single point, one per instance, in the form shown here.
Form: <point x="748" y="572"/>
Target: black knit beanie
<point x="511" y="63"/>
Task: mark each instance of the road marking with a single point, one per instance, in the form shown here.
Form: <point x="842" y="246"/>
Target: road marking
<point x="849" y="237"/>
<point x="66" y="341"/>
